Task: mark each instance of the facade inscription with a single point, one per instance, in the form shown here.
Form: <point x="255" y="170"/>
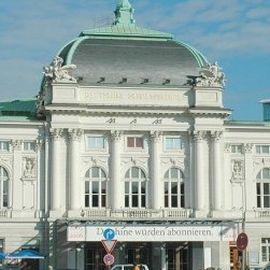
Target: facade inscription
<point x="129" y="97"/>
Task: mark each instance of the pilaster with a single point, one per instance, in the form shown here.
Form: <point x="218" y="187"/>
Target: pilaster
<point x="200" y="180"/>
<point x="74" y="136"/>
<point x="155" y="182"/>
<point x="56" y="189"/>
<point x="248" y="181"/>
<point x="216" y="169"/>
<point x="117" y="186"/>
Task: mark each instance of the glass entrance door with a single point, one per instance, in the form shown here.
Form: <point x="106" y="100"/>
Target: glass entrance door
<point x="138" y="253"/>
<point x="93" y="257"/>
<point x="178" y="256"/>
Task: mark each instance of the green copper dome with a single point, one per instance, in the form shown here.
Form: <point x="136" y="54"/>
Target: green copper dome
<point x="125" y="52"/>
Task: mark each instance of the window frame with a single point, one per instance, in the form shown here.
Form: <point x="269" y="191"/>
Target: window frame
<point x="168" y="196"/>
<point x="6" y="142"/>
<point x="263" y="185"/>
<point x="130" y="194"/>
<point x="2" y="187"/>
<point x="173" y="137"/>
<point x="259" y="149"/>
<point x="29" y="148"/>
<point x="135" y="147"/>
<point x="267" y="249"/>
<point x="90" y="181"/>
<point x="96" y="149"/>
<point x="236" y="148"/>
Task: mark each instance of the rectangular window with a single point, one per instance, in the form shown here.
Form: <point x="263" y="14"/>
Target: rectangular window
<point x="4" y="145"/>
<point x="173" y="143"/>
<point x="265" y="249"/>
<point x="29" y="146"/>
<point x="263" y="149"/>
<point x="135" y="142"/>
<point x="95" y="142"/>
<point x="236" y="148"/>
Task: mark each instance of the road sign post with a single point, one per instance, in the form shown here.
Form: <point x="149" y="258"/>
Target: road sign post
<point x="242" y="241"/>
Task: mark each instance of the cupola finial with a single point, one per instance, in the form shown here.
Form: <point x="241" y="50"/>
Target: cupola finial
<point x="124" y="13"/>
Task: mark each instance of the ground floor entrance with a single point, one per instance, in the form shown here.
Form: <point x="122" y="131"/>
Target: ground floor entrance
<point x="156" y="255"/>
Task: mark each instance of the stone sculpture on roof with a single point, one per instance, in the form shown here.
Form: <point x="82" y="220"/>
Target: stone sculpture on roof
<point x="56" y="72"/>
<point x="211" y="75"/>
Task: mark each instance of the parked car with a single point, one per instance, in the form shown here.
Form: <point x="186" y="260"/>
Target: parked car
<point x="128" y="267"/>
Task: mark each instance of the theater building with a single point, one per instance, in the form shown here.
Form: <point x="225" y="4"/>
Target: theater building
<point x="129" y="140"/>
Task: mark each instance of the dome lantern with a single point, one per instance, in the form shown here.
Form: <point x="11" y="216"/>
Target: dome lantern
<point x="124" y="13"/>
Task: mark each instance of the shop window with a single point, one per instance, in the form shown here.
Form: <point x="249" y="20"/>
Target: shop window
<point x="263" y="149"/>
<point x="174" y="191"/>
<point x="263" y="188"/>
<point x="4" y="188"/>
<point x="265" y="249"/>
<point x="173" y="143"/>
<point x="95" y="143"/>
<point x="135" y="142"/>
<point x="135" y="188"/>
<point x="95" y="191"/>
<point x="4" y="146"/>
<point x="29" y="146"/>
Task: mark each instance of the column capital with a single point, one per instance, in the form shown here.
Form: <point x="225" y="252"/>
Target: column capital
<point x="199" y="135"/>
<point x="16" y="144"/>
<point x="38" y="144"/>
<point x="248" y="148"/>
<point x="155" y="136"/>
<point x="216" y="135"/>
<point x="116" y="135"/>
<point x="56" y="133"/>
<point x="75" y="134"/>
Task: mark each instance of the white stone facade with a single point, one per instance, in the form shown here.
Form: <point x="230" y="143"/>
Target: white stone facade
<point x="156" y="162"/>
<point x="47" y="164"/>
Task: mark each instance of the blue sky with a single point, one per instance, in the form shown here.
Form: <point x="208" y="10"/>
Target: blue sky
<point x="236" y="33"/>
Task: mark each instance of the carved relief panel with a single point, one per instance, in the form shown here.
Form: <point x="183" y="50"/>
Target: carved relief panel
<point x="237" y="167"/>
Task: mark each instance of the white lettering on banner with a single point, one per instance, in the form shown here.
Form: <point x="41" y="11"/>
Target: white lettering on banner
<point x="162" y="233"/>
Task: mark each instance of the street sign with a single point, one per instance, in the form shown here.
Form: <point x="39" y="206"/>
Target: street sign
<point x="242" y="241"/>
<point x="109" y="245"/>
<point x="109" y="234"/>
<point x="108" y="259"/>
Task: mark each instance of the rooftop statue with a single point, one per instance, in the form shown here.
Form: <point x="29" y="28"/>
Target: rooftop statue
<point x="211" y="75"/>
<point x="56" y="72"/>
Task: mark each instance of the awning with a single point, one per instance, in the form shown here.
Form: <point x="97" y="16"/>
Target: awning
<point x="2" y="255"/>
<point x="25" y="254"/>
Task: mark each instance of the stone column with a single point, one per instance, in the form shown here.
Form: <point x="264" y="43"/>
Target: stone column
<point x="156" y="198"/>
<point x="74" y="168"/>
<point x="117" y="186"/>
<point x="248" y="184"/>
<point x="38" y="202"/>
<point x="200" y="179"/>
<point x="56" y="189"/>
<point x="15" y="196"/>
<point x="216" y="169"/>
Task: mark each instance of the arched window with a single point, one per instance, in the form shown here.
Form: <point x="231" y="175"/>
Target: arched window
<point x="174" y="196"/>
<point x="263" y="188"/>
<point x="95" y="188"/>
<point x="4" y="186"/>
<point x="135" y="188"/>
